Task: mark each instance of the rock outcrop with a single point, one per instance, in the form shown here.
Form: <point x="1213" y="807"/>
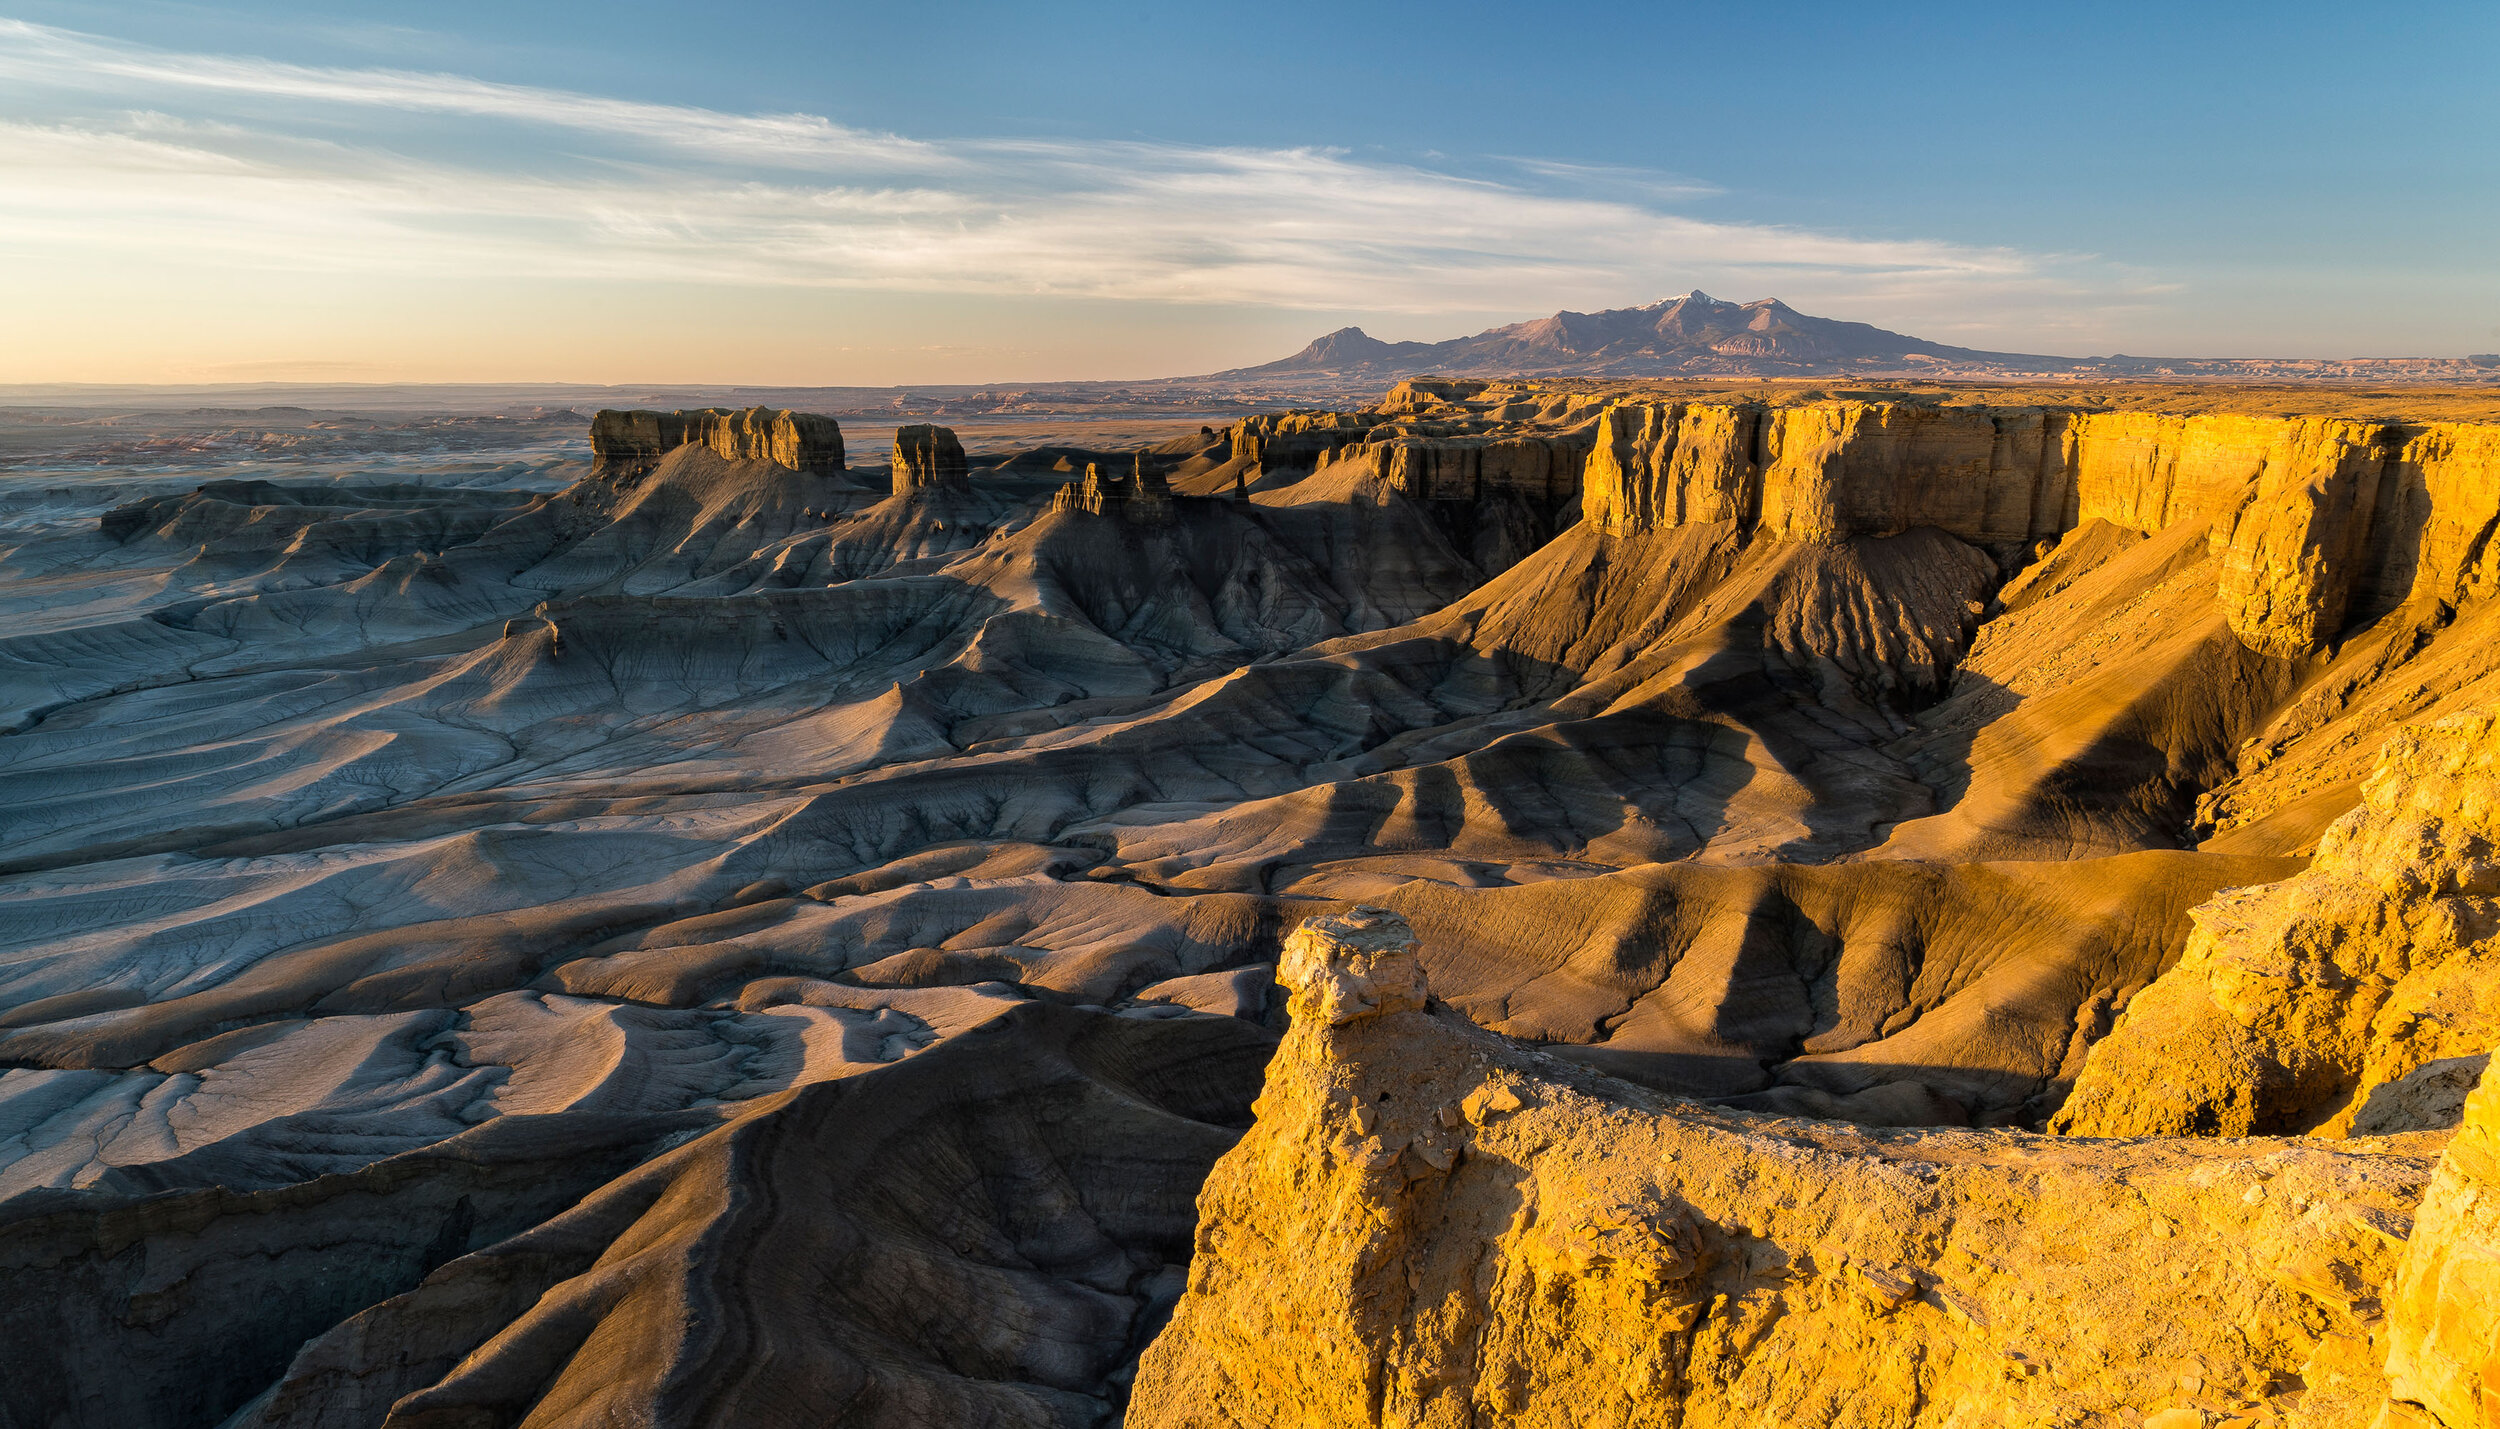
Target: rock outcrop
<point x="1430" y="1226"/>
<point x="928" y="458"/>
<point x="2443" y="1309"/>
<point x="2313" y="520"/>
<point x="2362" y="995"/>
<point x="625" y="446"/>
<point x="1139" y="494"/>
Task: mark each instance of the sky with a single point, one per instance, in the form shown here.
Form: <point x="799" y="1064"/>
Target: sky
<point x="960" y="191"/>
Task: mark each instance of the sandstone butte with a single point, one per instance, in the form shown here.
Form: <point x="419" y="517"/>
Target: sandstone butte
<point x="1885" y="907"/>
<point x="927" y="457"/>
<point x="630" y="444"/>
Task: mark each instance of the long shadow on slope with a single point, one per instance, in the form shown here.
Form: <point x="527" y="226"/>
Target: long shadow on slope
<point x="1988" y="980"/>
<point x="2134" y="698"/>
<point x="986" y="1234"/>
<point x="121" y="1311"/>
<point x="1635" y="699"/>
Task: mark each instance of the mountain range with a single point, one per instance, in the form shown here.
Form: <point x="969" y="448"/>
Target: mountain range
<point x="1697" y="335"/>
<point x="1694" y="335"/>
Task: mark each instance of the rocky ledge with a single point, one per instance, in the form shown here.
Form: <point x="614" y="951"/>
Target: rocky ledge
<point x="1433" y="1225"/>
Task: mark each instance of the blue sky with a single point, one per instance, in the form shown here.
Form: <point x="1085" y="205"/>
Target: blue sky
<point x="979" y="191"/>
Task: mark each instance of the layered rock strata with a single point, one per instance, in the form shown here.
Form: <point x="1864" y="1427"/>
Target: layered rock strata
<point x="625" y="446"/>
<point x="2362" y="995"/>
<point x="928" y="458"/>
<point x="1429" y="1225"/>
<point x="2313" y="520"/>
<point x="316" y="885"/>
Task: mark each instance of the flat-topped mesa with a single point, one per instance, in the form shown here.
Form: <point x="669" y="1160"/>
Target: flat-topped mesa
<point x="1427" y="416"/>
<point x="1141" y="493"/>
<point x="1428" y="1224"/>
<point x="625" y="446"/>
<point x="2314" y="520"/>
<point x="1499" y="492"/>
<point x="929" y="458"/>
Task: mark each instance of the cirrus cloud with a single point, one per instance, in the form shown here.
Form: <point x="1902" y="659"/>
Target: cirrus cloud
<point x="113" y="148"/>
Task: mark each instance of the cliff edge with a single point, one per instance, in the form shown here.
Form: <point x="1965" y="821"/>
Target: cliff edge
<point x="1431" y="1225"/>
<point x="2362" y="995"/>
<point x="625" y="446"/>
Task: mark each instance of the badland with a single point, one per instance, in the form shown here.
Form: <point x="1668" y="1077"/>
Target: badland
<point x="1558" y="900"/>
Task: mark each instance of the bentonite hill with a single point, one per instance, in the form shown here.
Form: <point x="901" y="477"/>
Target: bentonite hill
<point x="1547" y="902"/>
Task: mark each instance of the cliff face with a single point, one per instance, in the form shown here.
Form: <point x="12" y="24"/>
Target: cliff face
<point x="2311" y="518"/>
<point x="929" y="458"/>
<point x="2362" y="995"/>
<point x="2443" y="1357"/>
<point x="1429" y="1225"/>
<point x="627" y="445"/>
<point x="1497" y="491"/>
<point x="1138" y="494"/>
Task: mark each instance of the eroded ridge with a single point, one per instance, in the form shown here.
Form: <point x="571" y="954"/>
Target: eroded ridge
<point x="1430" y="1225"/>
<point x="2361" y="995"/>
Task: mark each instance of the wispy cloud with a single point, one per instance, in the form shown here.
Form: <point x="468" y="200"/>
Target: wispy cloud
<point x="262" y="164"/>
<point x="33" y="54"/>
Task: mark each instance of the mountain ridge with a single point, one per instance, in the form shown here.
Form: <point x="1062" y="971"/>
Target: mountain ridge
<point x="1696" y="335"/>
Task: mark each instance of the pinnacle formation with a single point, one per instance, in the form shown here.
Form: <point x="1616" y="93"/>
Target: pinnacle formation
<point x="1523" y="901"/>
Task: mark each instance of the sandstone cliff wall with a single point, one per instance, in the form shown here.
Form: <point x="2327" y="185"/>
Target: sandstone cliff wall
<point x="2313" y="520"/>
<point x="626" y="444"/>
<point x="2362" y="995"/>
<point x="1298" y="438"/>
<point x="929" y="458"/>
<point x="1429" y="1225"/>
<point x="1452" y="459"/>
<point x="1538" y="468"/>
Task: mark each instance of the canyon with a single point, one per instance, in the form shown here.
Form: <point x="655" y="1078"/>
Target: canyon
<point x="1517" y="900"/>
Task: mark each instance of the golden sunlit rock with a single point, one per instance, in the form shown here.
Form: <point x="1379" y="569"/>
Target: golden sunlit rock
<point x="1430" y="1225"/>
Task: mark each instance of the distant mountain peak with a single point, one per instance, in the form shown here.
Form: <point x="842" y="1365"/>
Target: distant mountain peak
<point x="1695" y="335"/>
<point x="1349" y="348"/>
